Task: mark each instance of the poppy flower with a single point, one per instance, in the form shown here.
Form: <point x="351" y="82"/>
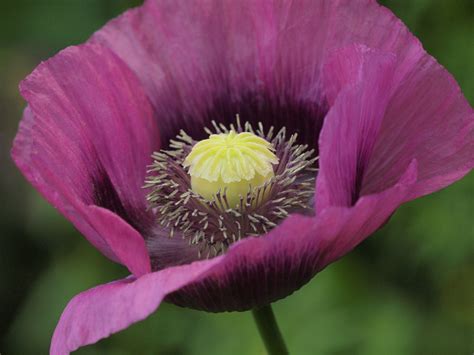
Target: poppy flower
<point x="342" y="117"/>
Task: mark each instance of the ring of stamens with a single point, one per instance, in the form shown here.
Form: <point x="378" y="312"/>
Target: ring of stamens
<point x="212" y="225"/>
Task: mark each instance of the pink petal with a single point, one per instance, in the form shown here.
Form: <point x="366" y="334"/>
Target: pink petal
<point x="187" y="54"/>
<point x="359" y="82"/>
<point x="256" y="271"/>
<point x="252" y="271"/>
<point x="429" y="120"/>
<point x="106" y="309"/>
<point x="85" y="140"/>
<point x="195" y="59"/>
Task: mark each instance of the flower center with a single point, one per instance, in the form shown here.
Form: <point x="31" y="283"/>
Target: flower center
<point x="239" y="182"/>
<point x="232" y="164"/>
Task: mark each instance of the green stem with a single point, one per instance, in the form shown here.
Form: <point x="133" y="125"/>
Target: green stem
<point x="268" y="329"/>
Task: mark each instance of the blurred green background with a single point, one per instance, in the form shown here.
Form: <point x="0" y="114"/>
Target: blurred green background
<point x="407" y="290"/>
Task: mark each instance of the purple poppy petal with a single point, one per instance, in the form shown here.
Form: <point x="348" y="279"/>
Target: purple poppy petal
<point x="429" y="120"/>
<point x="256" y="271"/>
<point x="85" y="141"/>
<point x="359" y="82"/>
<point x="189" y="55"/>
<point x="125" y="242"/>
<point x="266" y="269"/>
<point x="95" y="314"/>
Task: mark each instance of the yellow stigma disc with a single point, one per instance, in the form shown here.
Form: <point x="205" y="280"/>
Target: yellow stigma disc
<point x="234" y="162"/>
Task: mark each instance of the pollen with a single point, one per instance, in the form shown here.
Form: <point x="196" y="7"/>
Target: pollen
<point x="232" y="164"/>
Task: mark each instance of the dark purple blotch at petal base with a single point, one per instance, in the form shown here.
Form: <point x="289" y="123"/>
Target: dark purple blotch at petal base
<point x="389" y="123"/>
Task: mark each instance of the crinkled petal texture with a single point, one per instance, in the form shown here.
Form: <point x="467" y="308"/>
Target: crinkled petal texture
<point x="396" y="127"/>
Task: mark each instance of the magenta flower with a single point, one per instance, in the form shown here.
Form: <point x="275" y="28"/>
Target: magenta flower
<point x="388" y="123"/>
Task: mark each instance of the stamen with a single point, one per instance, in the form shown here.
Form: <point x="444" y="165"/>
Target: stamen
<point x="216" y="218"/>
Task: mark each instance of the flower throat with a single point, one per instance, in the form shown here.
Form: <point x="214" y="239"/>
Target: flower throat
<point x="239" y="182"/>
